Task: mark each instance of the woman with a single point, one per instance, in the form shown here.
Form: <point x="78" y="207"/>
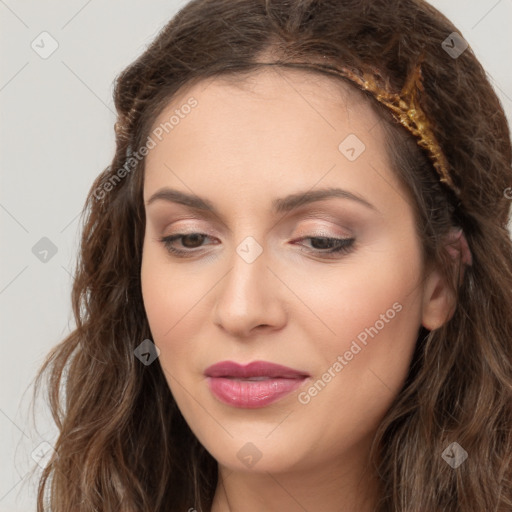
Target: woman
<point x="295" y="278"/>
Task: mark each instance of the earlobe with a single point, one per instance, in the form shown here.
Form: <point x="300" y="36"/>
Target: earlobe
<point x="438" y="302"/>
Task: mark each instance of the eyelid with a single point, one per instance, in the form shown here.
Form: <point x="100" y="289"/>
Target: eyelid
<point x="321" y="230"/>
<point x="320" y="212"/>
<point x="175" y="227"/>
<point x="200" y="219"/>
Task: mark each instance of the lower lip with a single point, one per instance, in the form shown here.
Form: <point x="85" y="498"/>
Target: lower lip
<point x="252" y="394"/>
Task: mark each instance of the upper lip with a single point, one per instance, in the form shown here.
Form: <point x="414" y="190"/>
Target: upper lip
<point x="254" y="369"/>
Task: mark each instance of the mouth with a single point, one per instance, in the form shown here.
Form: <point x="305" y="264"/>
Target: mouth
<point x="252" y="378"/>
<point x="252" y="386"/>
<point x="257" y="370"/>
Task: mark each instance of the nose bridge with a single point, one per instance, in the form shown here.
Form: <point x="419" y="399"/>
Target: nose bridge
<point x="247" y="274"/>
<point x="247" y="299"/>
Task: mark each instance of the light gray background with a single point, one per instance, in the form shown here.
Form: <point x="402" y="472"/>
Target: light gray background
<point x="57" y="118"/>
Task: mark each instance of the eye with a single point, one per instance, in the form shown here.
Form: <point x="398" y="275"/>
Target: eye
<point x="329" y="245"/>
<point x="188" y="240"/>
<point x="193" y="241"/>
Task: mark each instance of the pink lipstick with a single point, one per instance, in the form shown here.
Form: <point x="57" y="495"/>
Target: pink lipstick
<point x="255" y="385"/>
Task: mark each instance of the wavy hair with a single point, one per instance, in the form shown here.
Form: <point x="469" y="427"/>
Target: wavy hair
<point x="123" y="444"/>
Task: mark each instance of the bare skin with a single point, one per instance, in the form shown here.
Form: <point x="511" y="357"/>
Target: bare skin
<point x="241" y="148"/>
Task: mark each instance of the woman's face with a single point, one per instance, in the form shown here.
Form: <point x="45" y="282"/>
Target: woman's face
<point x="258" y="282"/>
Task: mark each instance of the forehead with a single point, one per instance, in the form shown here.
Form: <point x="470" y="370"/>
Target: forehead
<point x="280" y="110"/>
<point x="257" y="133"/>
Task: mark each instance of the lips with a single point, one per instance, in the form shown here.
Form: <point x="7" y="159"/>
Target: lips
<point x="255" y="370"/>
<point x="252" y="386"/>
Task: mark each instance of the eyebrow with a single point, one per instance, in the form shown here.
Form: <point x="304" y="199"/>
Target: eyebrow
<point x="279" y="205"/>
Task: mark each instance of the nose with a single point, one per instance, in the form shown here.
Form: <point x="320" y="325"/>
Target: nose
<point x="250" y="296"/>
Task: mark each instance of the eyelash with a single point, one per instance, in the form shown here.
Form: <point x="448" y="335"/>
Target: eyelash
<point x="344" y="245"/>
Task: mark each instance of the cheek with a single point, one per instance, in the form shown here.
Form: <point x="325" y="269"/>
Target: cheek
<point x="173" y="298"/>
<point x="168" y="292"/>
<point x="377" y="298"/>
<point x="374" y="314"/>
<point x="365" y="336"/>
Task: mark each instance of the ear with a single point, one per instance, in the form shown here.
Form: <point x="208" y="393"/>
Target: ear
<point x="438" y="301"/>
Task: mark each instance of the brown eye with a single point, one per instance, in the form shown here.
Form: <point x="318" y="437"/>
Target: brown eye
<point x="189" y="242"/>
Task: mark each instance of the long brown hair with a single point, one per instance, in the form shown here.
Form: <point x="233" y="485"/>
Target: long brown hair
<point x="123" y="444"/>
